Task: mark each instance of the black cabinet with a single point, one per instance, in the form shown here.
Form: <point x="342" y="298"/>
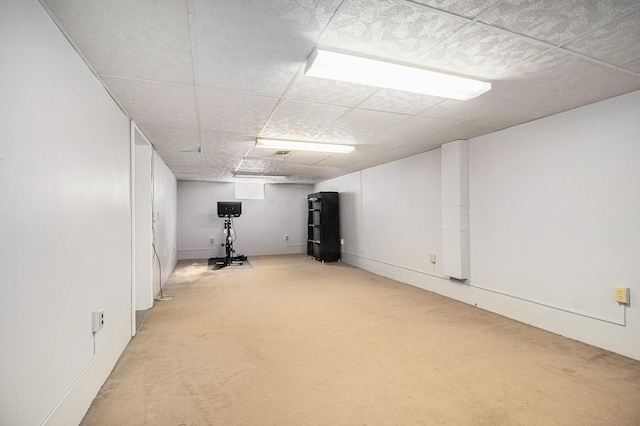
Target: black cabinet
<point x="323" y="241"/>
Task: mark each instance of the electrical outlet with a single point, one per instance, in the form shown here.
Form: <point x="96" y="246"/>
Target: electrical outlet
<point x="286" y="237"/>
<point x="622" y="295"/>
<point x="432" y="258"/>
<point x="212" y="240"/>
<point x="341" y="241"/>
<point x="98" y="320"/>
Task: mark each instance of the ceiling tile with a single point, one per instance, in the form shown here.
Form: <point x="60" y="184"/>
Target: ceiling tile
<point x="359" y="124"/>
<point x="328" y="91"/>
<point x="634" y="66"/>
<point x="217" y="144"/>
<point x="467" y="8"/>
<point x="362" y="157"/>
<point x="466" y="110"/>
<point x="256" y="164"/>
<point x="187" y="169"/>
<point x="388" y="29"/>
<point x="256" y="46"/>
<point x="197" y="177"/>
<point x="481" y="51"/>
<point x="552" y="69"/>
<point x="259" y="152"/>
<point x="465" y="130"/>
<point x="306" y="158"/>
<point x="415" y="129"/>
<point x="224" y="111"/>
<point x="181" y="158"/>
<point x="588" y="91"/>
<point x="618" y="43"/>
<point x="301" y="120"/>
<point x="168" y="139"/>
<point x="146" y="102"/>
<point x="224" y="151"/>
<point x="400" y="102"/>
<point x="555" y="21"/>
<point x="140" y="39"/>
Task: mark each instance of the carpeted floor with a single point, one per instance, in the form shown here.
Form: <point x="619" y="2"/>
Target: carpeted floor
<point x="296" y="342"/>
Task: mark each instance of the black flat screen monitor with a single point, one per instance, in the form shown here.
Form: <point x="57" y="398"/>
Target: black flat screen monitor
<point x="229" y="208"/>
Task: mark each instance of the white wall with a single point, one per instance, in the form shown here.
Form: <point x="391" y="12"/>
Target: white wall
<point x="388" y="213"/>
<point x="553" y="222"/>
<point x="144" y="266"/>
<point x="261" y="228"/>
<point x="165" y="201"/>
<point x="65" y="249"/>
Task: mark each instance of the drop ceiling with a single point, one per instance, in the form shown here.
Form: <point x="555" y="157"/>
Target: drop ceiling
<point x="203" y="78"/>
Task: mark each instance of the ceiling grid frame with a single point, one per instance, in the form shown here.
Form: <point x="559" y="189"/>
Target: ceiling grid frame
<point x="291" y="20"/>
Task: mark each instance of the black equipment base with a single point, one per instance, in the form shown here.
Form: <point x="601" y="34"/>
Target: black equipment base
<point x="221" y="262"/>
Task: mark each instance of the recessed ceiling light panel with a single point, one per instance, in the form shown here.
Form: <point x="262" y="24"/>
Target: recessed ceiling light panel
<point x="371" y="72"/>
<point x="259" y="176"/>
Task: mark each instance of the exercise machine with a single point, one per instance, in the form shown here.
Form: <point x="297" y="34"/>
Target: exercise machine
<point x="228" y="210"/>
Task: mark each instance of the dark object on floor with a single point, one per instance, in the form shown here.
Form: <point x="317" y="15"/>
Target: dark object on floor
<point x="238" y="262"/>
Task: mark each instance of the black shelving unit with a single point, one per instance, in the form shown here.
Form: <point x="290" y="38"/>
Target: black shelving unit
<point x="323" y="237"/>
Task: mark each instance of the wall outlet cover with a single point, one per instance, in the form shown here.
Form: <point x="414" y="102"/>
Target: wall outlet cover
<point x="97" y="320"/>
<point x="622" y="295"/>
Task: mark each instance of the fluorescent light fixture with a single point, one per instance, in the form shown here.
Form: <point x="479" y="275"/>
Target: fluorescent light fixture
<point x="302" y="146"/>
<point x="258" y="176"/>
<point x="370" y="72"/>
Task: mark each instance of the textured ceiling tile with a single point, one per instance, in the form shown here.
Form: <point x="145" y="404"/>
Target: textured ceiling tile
<point x="400" y="102"/>
<point x="146" y="102"/>
<point x="211" y="141"/>
<point x="595" y="89"/>
<point x="168" y="139"/>
<point x="466" y="110"/>
<point x="187" y="169"/>
<point x="466" y="130"/>
<point x="306" y="158"/>
<point x="359" y="124"/>
<point x="254" y="165"/>
<point x="195" y="177"/>
<point x="223" y="111"/>
<point x="181" y="158"/>
<point x="634" y="66"/>
<point x="388" y="29"/>
<point x="467" y="8"/>
<point x="415" y="129"/>
<point x="140" y="39"/>
<point x="555" y="21"/>
<point x="542" y="74"/>
<point x="362" y="157"/>
<point x="216" y="144"/>
<point x="301" y="120"/>
<point x="328" y="91"/>
<point x="224" y="151"/>
<point x="553" y="69"/>
<point x="258" y="152"/>
<point x="481" y="51"/>
<point x="618" y="43"/>
<point x="256" y="46"/>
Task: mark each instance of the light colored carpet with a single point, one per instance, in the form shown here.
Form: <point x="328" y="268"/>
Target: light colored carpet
<point x="297" y="342"/>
